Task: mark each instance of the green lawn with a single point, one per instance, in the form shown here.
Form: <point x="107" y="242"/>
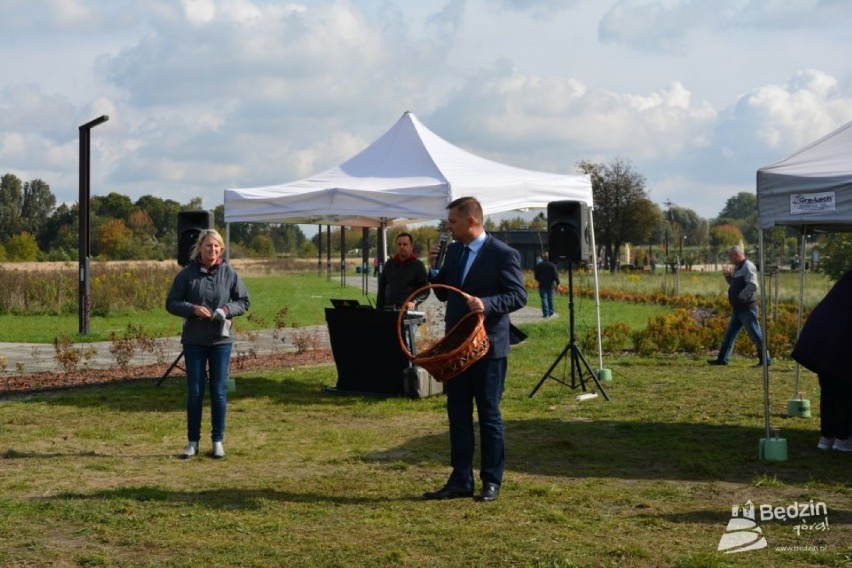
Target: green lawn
<point x="89" y="477"/>
<point x="303" y="294"/>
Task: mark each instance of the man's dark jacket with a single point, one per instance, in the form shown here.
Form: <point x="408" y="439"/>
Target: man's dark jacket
<point x="496" y="278"/>
<point x="546" y="275"/>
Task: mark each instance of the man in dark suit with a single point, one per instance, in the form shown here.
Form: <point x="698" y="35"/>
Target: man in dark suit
<point x="489" y="273"/>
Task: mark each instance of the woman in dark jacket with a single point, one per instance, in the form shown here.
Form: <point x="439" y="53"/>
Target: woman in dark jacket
<point x="207" y="293"/>
<point x="823" y="347"/>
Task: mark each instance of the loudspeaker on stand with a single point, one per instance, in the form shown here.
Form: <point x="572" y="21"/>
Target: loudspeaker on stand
<point x="190" y="225"/>
<point x="568" y="231"/>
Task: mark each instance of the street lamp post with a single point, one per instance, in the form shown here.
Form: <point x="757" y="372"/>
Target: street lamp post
<point x="83" y="206"/>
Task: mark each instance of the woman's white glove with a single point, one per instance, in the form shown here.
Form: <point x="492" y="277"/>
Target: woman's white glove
<point x="218" y="315"/>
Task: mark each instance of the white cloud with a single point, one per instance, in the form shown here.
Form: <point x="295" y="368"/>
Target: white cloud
<point x="554" y="122"/>
<point x="208" y="94"/>
<point x="666" y="24"/>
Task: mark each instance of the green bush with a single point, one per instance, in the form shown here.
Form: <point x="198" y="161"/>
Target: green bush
<point x="116" y="288"/>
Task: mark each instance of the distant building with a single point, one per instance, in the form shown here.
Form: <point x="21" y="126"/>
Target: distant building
<point x="529" y="242"/>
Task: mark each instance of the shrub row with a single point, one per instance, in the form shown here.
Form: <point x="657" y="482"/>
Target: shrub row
<point x="694" y="331"/>
<point x="115" y="289"/>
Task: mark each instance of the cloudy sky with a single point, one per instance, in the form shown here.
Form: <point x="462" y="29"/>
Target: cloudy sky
<point x="204" y="95"/>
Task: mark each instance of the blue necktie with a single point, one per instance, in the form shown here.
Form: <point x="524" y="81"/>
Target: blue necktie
<point x="463" y="263"/>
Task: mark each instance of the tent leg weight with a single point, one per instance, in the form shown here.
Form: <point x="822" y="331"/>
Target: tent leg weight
<point x="773" y="449"/>
<point x="799" y="408"/>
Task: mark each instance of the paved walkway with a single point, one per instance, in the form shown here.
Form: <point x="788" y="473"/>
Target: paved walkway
<point x="32" y="357"/>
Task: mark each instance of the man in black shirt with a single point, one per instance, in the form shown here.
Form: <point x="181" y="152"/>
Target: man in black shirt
<point x="403" y="274"/>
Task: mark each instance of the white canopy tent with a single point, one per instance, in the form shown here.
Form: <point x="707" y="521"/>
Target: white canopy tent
<point x="409" y="174"/>
<point x="811" y="190"/>
<point x="812" y="187"/>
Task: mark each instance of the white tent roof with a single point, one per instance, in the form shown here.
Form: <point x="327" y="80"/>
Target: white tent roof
<point x="409" y="173"/>
<point x="812" y="187"/>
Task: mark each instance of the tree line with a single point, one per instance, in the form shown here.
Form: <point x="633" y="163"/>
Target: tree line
<point x="33" y="228"/>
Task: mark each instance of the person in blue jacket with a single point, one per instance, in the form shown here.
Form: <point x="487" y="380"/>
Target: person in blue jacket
<point x="208" y="294"/>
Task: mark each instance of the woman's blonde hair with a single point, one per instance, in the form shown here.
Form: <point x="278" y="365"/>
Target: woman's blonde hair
<point x="213" y="234"/>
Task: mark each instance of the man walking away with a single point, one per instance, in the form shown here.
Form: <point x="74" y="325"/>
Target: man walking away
<point x="547" y="276"/>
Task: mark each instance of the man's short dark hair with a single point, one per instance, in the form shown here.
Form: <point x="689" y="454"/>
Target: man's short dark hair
<point x="469" y="207"/>
<point x="410" y="238"/>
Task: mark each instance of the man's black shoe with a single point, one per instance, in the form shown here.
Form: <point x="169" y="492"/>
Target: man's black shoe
<point x="490" y="492"/>
<point x="448" y="492"/>
<point x="717" y="362"/>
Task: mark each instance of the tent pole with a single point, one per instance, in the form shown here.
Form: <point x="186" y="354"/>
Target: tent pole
<point x="801" y="303"/>
<point x="597" y="293"/>
<point x="319" y="251"/>
<point x="342" y="256"/>
<point x="328" y="253"/>
<point x="765" y="333"/>
<point x="365" y="260"/>
<point x="382" y="245"/>
<point x="384" y="240"/>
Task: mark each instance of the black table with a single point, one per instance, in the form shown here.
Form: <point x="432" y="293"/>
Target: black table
<point x="366" y="350"/>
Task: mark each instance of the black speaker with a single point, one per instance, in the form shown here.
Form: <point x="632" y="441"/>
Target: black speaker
<point x="190" y="225"/>
<point x="568" y="232"/>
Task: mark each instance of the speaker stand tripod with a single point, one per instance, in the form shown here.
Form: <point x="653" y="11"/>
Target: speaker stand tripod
<point x="170" y="369"/>
<point x="579" y="365"/>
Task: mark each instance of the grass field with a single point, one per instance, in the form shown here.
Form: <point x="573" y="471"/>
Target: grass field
<point x="90" y="477"/>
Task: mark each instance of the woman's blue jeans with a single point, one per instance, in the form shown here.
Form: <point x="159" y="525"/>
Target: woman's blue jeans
<point x="197" y="358"/>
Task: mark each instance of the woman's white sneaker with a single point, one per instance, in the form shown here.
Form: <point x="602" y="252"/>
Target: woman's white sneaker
<point x="843" y="445"/>
<point x="825" y="443"/>
<point x="191" y="450"/>
<point x="218" y="450"/>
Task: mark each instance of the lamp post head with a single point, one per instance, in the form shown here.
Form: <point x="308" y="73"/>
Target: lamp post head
<point x="92" y="123"/>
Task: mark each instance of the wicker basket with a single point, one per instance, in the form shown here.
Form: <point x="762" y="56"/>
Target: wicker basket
<point x="465" y="344"/>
